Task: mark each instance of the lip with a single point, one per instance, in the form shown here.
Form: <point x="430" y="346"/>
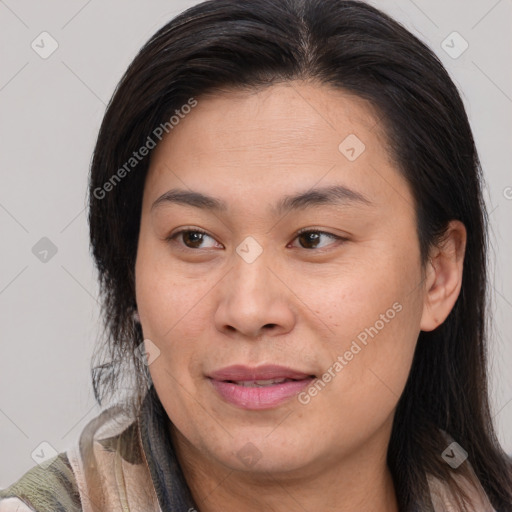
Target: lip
<point x="241" y="372"/>
<point x="257" y="398"/>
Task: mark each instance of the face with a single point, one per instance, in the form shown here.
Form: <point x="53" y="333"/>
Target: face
<point x="315" y="295"/>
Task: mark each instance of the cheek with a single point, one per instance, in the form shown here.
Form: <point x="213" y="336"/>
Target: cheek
<point x="172" y="318"/>
<point x="174" y="313"/>
<point x="167" y="298"/>
<point x="352" y="297"/>
<point x="364" y="376"/>
<point x="368" y="323"/>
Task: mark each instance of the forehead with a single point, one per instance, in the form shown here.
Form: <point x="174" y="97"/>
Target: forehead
<point x="269" y="139"/>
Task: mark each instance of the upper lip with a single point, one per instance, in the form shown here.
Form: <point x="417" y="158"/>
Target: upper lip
<point x="246" y="373"/>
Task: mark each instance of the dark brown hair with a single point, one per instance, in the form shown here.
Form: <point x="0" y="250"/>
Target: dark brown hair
<point x="356" y="48"/>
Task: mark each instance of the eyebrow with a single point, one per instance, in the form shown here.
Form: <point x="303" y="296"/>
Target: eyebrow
<point x="331" y="195"/>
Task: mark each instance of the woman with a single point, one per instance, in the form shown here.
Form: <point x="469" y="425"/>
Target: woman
<point x="287" y="220"/>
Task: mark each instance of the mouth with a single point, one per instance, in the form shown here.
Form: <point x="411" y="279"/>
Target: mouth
<point x="264" y="383"/>
<point x="258" y="388"/>
<point x="241" y="373"/>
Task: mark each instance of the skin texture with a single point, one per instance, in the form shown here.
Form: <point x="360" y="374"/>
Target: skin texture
<point x="301" y="303"/>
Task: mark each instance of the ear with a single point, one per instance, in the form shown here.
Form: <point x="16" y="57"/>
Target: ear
<point x="444" y="276"/>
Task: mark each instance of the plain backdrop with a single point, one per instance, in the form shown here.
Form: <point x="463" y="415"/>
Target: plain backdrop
<point x="51" y="110"/>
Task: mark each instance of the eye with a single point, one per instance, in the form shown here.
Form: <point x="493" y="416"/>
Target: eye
<point x="309" y="238"/>
<point x="312" y="237"/>
<point x="192" y="238"/>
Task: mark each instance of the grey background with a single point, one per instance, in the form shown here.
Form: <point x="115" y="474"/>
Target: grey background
<point x="51" y="112"/>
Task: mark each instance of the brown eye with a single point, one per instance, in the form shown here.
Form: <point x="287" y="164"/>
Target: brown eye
<point x="191" y="238"/>
<point x="311" y="239"/>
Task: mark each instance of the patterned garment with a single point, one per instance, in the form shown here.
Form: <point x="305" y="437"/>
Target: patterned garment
<point x="122" y="465"/>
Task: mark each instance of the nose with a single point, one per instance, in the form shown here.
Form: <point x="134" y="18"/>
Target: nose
<point x="255" y="300"/>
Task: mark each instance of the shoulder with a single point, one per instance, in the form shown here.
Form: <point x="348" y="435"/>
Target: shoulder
<point x="51" y="486"/>
<point x="105" y="470"/>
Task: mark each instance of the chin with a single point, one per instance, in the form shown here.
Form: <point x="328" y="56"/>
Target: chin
<point x="264" y="453"/>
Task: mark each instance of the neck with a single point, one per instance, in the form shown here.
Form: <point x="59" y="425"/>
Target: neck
<point x="359" y="482"/>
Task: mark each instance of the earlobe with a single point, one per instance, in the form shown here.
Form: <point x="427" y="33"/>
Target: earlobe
<point x="444" y="277"/>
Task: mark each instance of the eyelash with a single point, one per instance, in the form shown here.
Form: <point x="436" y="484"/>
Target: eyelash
<point x="172" y="237"/>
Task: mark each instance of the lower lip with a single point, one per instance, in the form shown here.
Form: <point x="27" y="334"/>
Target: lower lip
<point x="264" y="397"/>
